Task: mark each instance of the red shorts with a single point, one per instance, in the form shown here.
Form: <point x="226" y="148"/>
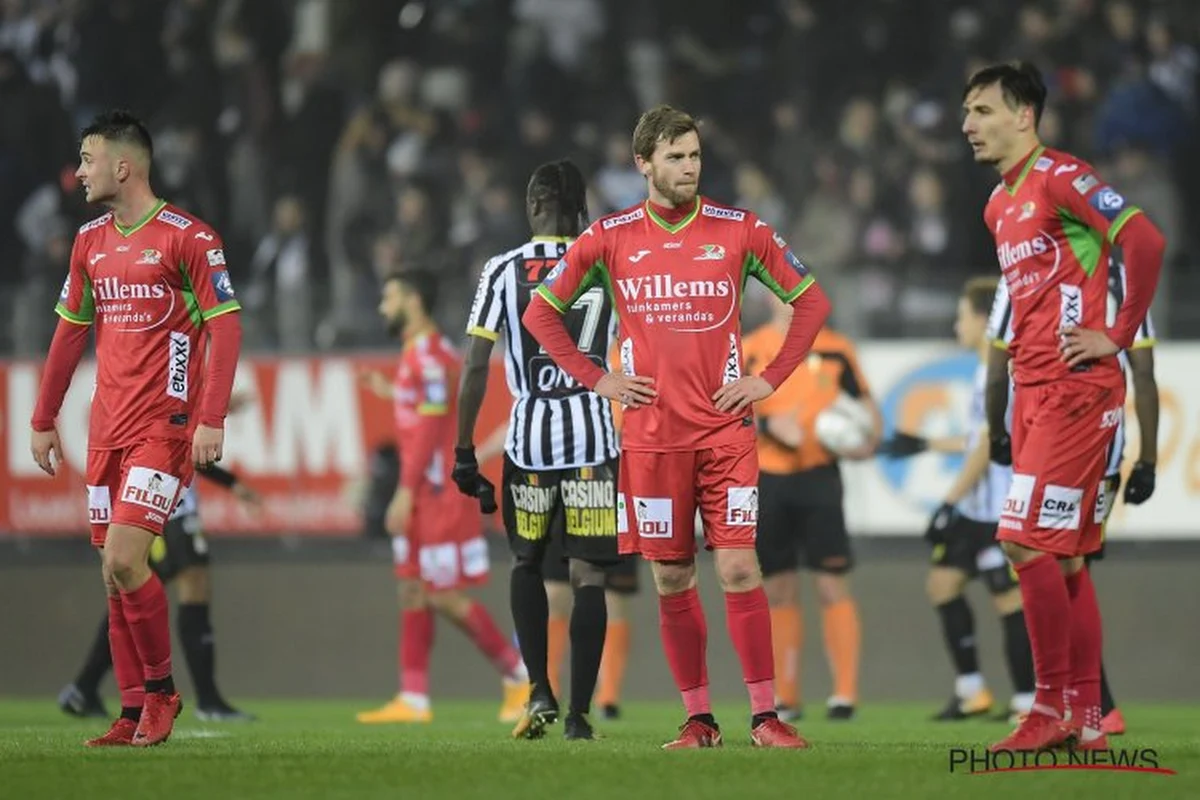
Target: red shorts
<point x="137" y="485"/>
<point x="1061" y="436"/>
<point x="444" y="545"/>
<point x="661" y="492"/>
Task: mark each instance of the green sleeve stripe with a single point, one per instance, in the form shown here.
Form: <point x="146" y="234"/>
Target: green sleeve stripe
<point x="1115" y="229"/>
<point x="432" y="409"/>
<point x="224" y="308"/>
<point x="549" y="297"/>
<point x="1142" y="344"/>
<point x="483" y="333"/>
<point x="803" y="287"/>
<point x="71" y="316"/>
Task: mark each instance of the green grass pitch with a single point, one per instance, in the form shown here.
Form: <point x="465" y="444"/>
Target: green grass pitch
<point x="315" y="749"/>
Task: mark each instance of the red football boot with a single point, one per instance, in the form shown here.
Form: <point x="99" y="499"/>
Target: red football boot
<point x="119" y="735"/>
<point x="1036" y="732"/>
<point x="158" y="719"/>
<point x="1113" y="723"/>
<point x="772" y="732"/>
<point x="693" y="734"/>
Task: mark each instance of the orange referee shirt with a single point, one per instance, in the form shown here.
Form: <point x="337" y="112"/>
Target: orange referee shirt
<point x="831" y="368"/>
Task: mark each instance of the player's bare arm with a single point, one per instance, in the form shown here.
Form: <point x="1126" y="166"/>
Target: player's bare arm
<point x="1140" y="484"/>
<point x="996" y="402"/>
<point x="783" y="429"/>
<point x="377" y="383"/>
<point x="973" y="470"/>
<point x="471" y="392"/>
<point x="399" y="512"/>
<point x="66" y="349"/>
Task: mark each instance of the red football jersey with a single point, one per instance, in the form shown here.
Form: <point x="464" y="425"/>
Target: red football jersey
<point x="424" y="405"/>
<point x="677" y="289"/>
<point x="148" y="290"/>
<point x="1054" y="220"/>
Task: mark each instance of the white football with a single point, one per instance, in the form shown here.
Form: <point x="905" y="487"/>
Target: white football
<point x="844" y="426"/>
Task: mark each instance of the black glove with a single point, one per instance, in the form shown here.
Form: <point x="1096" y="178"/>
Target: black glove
<point x="903" y="445"/>
<point x="466" y="471"/>
<point x="486" y="495"/>
<point x="1140" y="485"/>
<point x="1000" y="451"/>
<point x="940" y="523"/>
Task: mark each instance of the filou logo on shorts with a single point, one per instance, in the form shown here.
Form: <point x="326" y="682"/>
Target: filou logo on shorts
<point x="179" y="357"/>
<point x="1020" y="495"/>
<point x="741" y="506"/>
<point x="653" y="516"/>
<point x="150" y="488"/>
<point x="99" y="505"/>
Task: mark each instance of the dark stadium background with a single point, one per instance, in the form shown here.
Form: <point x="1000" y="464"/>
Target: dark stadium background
<point x="332" y="140"/>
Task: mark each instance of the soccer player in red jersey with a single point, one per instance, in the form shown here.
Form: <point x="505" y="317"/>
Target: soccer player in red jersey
<point x="437" y="532"/>
<point x="1054" y="220"/>
<point x="675" y="266"/>
<point x="152" y="280"/>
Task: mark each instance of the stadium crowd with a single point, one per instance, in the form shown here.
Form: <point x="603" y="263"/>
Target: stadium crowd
<point x="329" y="140"/>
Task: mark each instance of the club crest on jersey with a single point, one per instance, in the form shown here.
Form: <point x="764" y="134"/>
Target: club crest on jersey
<point x="150" y="256"/>
<point x="1027" y="210"/>
<point x="1044" y="163"/>
<point x="177" y="220"/>
<point x="722" y="213"/>
<point x="711" y="252"/>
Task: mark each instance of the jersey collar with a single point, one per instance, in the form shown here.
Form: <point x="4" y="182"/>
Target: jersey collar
<point x="1016" y="176"/>
<point x="554" y="239"/>
<point x="141" y="223"/>
<point x="675" y="227"/>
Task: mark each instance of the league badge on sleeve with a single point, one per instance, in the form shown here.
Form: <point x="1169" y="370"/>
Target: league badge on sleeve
<point x="554" y="274"/>
<point x="796" y="263"/>
<point x="66" y="290"/>
<point x="1108" y="202"/>
<point x="222" y="286"/>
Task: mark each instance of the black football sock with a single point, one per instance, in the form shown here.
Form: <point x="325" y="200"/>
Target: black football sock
<point x="195" y="632"/>
<point x="958" y="627"/>
<point x="531" y="619"/>
<point x="589" y="622"/>
<point x="708" y="719"/>
<point x="161" y="685"/>
<point x="760" y="718"/>
<point x="98" y="663"/>
<point x="1018" y="652"/>
<point x="1107" y="703"/>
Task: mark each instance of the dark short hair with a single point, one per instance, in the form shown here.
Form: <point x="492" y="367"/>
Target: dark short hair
<point x="561" y="184"/>
<point x="980" y="292"/>
<point x="661" y="124"/>
<point x="422" y="281"/>
<point x="1020" y="82"/>
<point x="120" y="126"/>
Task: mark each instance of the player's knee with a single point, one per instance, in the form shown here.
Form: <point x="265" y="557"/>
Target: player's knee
<point x="673" y="577"/>
<point x="451" y="604"/>
<point x="192" y="584"/>
<point x="1070" y="566"/>
<point x="831" y="588"/>
<point x="942" y="586"/>
<point x="584" y="573"/>
<point x="615" y="603"/>
<point x="1018" y="554"/>
<point x="124" y="566"/>
<point x="559" y="599"/>
<point x="411" y="594"/>
<point x="783" y="589"/>
<point x="738" y="570"/>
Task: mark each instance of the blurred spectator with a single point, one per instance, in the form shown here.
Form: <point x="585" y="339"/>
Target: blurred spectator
<point x="278" y="297"/>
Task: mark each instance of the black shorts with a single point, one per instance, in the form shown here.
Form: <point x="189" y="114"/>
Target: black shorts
<point x="576" y="506"/>
<point x="621" y="577"/>
<point x="181" y="545"/>
<point x="971" y="546"/>
<point x="802" y="512"/>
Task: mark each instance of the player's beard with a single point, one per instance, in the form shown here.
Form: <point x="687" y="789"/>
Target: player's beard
<point x="396" y="324"/>
<point x="677" y="196"/>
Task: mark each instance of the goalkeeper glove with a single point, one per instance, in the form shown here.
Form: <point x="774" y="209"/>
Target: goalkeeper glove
<point x="1140" y="485"/>
<point x="903" y="445"/>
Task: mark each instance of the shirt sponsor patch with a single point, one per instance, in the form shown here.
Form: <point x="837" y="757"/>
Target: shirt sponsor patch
<point x="653" y="517"/>
<point x="722" y="213"/>
<point x="1020" y="495"/>
<point x="624" y="219"/>
<point x="178" y="220"/>
<point x="1060" y="508"/>
<point x="741" y="507"/>
<point x="1085" y="182"/>
<point x="99" y="505"/>
<point x="178" y="360"/>
<point x="216" y="258"/>
<point x="151" y="489"/>
<point x="1044" y="163"/>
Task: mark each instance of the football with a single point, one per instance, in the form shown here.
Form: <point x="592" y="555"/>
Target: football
<point x="844" y="426"/>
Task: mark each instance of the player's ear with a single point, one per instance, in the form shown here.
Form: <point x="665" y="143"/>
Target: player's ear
<point x="643" y="165"/>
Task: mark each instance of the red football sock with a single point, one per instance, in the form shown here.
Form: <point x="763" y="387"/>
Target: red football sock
<point x="127" y="667"/>
<point x="487" y="637"/>
<point x="1048" y="618"/>
<point x="416" y="643"/>
<point x="148" y="615"/>
<point x="748" y="618"/>
<point x="685" y="641"/>
<point x="1085" y="649"/>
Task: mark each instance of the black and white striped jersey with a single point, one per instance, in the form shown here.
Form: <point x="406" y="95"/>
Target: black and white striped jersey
<point x="555" y="422"/>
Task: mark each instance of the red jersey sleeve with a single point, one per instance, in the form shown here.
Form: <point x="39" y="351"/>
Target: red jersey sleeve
<point x="770" y="260"/>
<point x="75" y="302"/>
<point x="432" y="378"/>
<point x="1091" y="201"/>
<point x="582" y="267"/>
<point x="206" y="274"/>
